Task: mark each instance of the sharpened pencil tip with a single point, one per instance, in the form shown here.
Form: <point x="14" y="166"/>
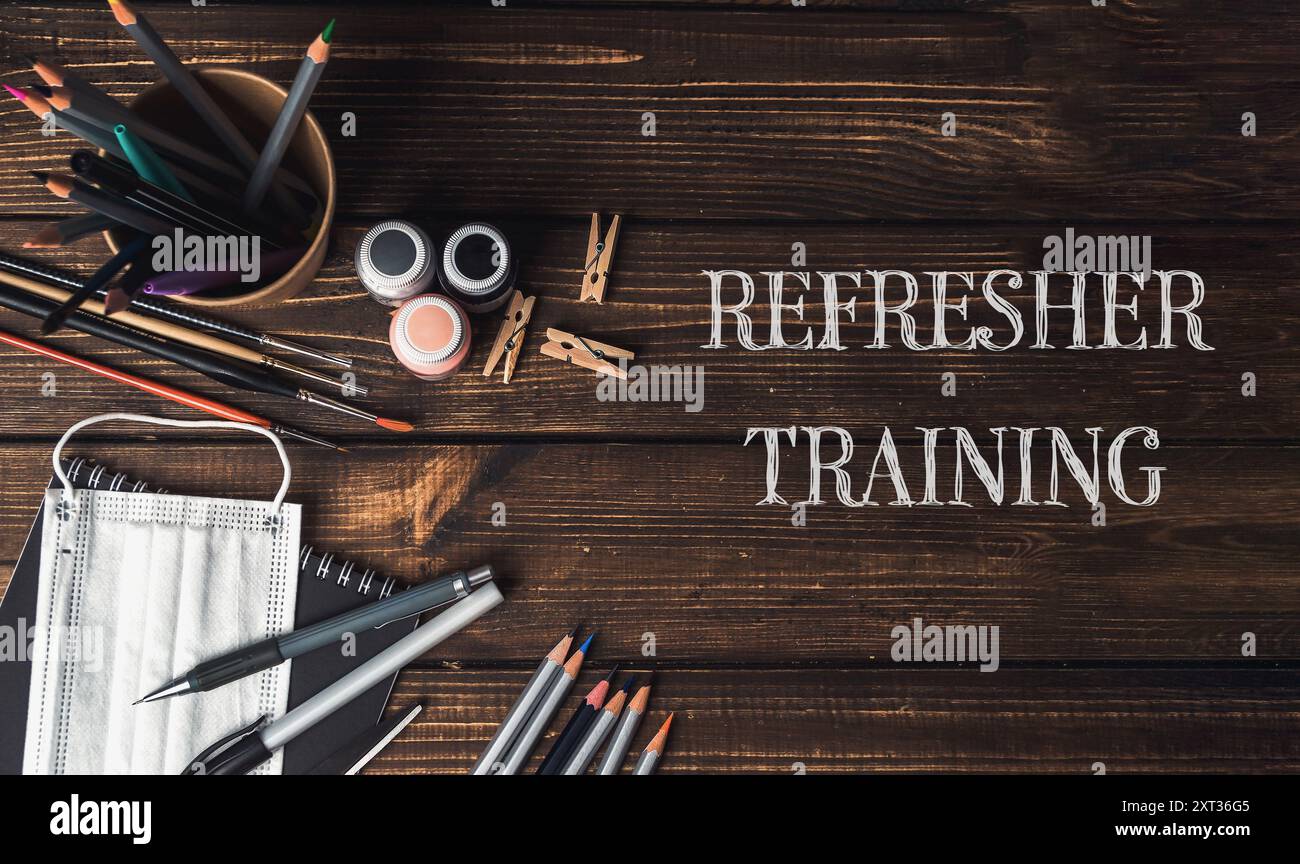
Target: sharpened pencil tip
<point x="42" y="177"/>
<point x="627" y="685"/>
<point x="327" y="34"/>
<point x="587" y="644"/>
<point x="122" y="12"/>
<point x="116" y="300"/>
<point x="609" y="679"/>
<point x="16" y="93"/>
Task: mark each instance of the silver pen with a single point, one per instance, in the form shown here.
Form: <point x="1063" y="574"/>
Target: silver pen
<point x="239" y="755"/>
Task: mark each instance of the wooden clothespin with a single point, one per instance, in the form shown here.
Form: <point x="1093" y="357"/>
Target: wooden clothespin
<point x="600" y="255"/>
<point x="510" y="338"/>
<point x="587" y="353"/>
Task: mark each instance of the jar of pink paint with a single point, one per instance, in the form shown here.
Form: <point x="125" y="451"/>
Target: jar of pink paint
<point x="429" y="335"/>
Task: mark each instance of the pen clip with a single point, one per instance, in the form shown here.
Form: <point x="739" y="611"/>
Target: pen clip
<point x="198" y="765"/>
<point x="416" y="614"/>
<point x="460" y="583"/>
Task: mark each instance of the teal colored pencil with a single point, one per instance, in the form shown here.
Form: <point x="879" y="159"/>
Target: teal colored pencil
<point x="147" y="163"/>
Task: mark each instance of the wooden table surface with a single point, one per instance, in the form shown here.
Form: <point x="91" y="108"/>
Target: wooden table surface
<point x="776" y="125"/>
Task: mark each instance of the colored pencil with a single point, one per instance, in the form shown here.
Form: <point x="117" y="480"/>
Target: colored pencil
<point x="616" y="753"/>
<point x="295" y="105"/>
<point x="517" y="717"/>
<point x="585" y="750"/>
<point x="107" y="141"/>
<point x="174" y="394"/>
<point x="88" y="132"/>
<point x="111" y="205"/>
<point x="55" y="75"/>
<point x="147" y="164"/>
<point x="518" y="754"/>
<point x="177" y="332"/>
<point x="175" y="72"/>
<point x="120" y="295"/>
<point x="654" y="751"/>
<point x="67" y="231"/>
<point x="233" y="373"/>
<point x="578" y="724"/>
<point x="42" y="273"/>
<point x="74" y="104"/>
<point x="100" y="278"/>
<point x="70" y="104"/>
<point x="121" y="180"/>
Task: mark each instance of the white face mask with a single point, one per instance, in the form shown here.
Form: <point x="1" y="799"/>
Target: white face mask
<point x="136" y="588"/>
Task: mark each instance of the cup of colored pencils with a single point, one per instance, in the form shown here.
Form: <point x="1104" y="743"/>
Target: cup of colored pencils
<point x="254" y="103"/>
<point x="213" y="155"/>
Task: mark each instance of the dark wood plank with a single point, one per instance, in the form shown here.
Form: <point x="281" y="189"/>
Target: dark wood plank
<point x="1065" y="110"/>
<point x="659" y="306"/>
<point x="896" y="720"/>
<point x="668" y="540"/>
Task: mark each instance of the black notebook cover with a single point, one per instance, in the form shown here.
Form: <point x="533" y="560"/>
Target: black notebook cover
<point x="326" y="586"/>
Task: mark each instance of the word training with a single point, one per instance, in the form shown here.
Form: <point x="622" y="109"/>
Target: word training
<point x="893" y="294"/>
<point x="887" y="465"/>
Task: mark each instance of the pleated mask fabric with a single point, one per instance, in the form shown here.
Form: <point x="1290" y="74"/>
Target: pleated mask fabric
<point x="135" y="589"/>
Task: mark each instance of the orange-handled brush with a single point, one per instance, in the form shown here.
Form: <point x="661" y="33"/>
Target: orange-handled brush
<point x="174" y="394"/>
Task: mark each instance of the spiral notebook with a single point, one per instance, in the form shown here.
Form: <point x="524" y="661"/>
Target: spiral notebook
<point x="326" y="586"/>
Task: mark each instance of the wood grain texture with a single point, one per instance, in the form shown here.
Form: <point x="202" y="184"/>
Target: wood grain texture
<point x="668" y="540"/>
<point x="775" y="125"/>
<point x="760" y="113"/>
<point x="658" y="305"/>
<point x="897" y="720"/>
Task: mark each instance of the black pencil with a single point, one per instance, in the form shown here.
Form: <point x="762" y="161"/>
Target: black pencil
<point x="577" y="726"/>
<point x="162" y="309"/>
<point x="111" y="205"/>
<point x="120" y="180"/>
<point x="110" y="268"/>
<point x="228" y="371"/>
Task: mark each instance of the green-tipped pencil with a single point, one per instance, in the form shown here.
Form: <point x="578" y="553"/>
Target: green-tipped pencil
<point x="295" y="106"/>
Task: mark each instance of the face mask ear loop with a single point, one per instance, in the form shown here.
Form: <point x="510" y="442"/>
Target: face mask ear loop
<point x="69" y="503"/>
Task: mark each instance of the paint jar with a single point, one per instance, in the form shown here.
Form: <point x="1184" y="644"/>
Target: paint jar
<point x="395" y="261"/>
<point x="429" y="335"/>
<point x="477" y="268"/>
